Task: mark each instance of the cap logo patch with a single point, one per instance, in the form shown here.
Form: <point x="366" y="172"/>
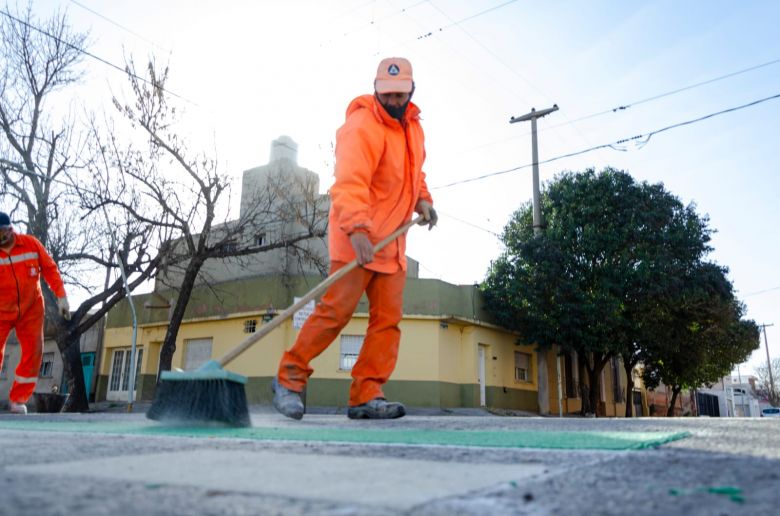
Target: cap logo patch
<point x="393" y="70"/>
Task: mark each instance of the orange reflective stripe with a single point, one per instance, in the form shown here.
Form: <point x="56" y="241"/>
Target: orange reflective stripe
<point x="25" y="379"/>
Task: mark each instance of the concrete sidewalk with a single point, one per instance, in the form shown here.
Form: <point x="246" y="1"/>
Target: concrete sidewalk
<point x="98" y="463"/>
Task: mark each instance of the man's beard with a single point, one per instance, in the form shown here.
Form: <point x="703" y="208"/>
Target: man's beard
<point x="396" y="112"/>
<point x="5" y="238"/>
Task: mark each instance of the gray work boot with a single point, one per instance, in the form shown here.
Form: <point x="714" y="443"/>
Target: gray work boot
<point x="286" y="401"/>
<point x="17" y="408"/>
<point x="378" y="408"/>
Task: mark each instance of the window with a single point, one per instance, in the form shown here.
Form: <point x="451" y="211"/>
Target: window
<point x="2" y="370"/>
<point x="47" y="365"/>
<point x="261" y="239"/>
<point x="228" y="247"/>
<point x="250" y="325"/>
<point x="350" y="349"/>
<point x="522" y="367"/>
<point x="196" y="353"/>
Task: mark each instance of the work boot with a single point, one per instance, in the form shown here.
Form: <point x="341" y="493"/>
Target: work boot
<point x="17" y="408"/>
<point x="286" y="401"/>
<point x="378" y="408"/>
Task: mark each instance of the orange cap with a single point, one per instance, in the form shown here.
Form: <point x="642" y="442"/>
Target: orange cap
<point x="394" y="75"/>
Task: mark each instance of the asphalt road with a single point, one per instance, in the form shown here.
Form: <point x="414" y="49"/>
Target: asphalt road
<point x="70" y="464"/>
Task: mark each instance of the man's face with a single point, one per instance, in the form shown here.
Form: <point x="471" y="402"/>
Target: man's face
<point x="394" y="103"/>
<point x="396" y="99"/>
<point x="6" y="234"/>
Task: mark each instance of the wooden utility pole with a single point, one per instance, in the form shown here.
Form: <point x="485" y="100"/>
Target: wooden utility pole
<point x="543" y="397"/>
<point x="768" y="361"/>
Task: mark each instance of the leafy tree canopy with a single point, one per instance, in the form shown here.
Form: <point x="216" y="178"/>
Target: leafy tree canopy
<point x="610" y="247"/>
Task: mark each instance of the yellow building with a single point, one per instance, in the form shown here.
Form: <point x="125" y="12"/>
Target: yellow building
<point x="451" y="354"/>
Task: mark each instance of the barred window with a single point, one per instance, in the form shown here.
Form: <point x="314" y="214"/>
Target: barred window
<point x="228" y="247"/>
<point x="261" y="239"/>
<point x="350" y="349"/>
<point x="250" y="325"/>
<point x="47" y="365"/>
<point x="522" y="366"/>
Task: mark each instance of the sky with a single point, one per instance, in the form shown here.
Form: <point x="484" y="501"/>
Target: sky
<point x="246" y="72"/>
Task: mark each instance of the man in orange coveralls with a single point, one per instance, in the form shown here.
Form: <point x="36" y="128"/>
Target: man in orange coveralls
<point x="379" y="185"/>
<point x="22" y="260"/>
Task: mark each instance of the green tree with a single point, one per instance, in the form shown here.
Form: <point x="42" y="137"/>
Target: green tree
<point x="702" y="335"/>
<point x="610" y="249"/>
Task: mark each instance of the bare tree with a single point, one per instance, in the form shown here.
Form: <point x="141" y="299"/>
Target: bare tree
<point x="766" y="387"/>
<point x="189" y="191"/>
<point x="49" y="180"/>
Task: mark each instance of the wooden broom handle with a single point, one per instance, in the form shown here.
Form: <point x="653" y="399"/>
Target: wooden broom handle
<point x="319" y="289"/>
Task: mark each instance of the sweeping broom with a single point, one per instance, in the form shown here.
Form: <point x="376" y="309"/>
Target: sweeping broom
<point x="212" y="394"/>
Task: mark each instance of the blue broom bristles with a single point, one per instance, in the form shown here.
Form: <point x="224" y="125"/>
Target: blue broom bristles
<point x="189" y="400"/>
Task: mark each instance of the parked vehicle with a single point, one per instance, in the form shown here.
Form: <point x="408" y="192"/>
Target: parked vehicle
<point x="770" y="412"/>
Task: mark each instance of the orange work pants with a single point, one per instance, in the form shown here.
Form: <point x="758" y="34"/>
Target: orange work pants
<point x="379" y="352"/>
<point x="29" y="332"/>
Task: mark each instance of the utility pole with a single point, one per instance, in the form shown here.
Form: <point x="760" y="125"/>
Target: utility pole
<point x="768" y="361"/>
<point x="532" y="116"/>
<point x="541" y="358"/>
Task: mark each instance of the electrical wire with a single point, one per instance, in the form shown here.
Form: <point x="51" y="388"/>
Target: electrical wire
<point x="511" y="69"/>
<point x="112" y="22"/>
<point x="16" y="167"/>
<point x="374" y="22"/>
<point x="761" y="291"/>
<point x="453" y="217"/>
<point x="467" y="18"/>
<point x="624" y="107"/>
<point x="93" y="56"/>
<point x="642" y="140"/>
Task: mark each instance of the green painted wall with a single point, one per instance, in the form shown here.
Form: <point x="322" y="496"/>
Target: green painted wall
<point x="421" y="297"/>
<point x="515" y="399"/>
<point x="335" y="393"/>
<point x="147" y="383"/>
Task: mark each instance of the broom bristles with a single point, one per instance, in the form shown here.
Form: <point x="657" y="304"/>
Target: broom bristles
<point x="202" y="400"/>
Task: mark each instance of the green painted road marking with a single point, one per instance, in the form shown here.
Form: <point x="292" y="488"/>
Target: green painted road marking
<point x="543" y="439"/>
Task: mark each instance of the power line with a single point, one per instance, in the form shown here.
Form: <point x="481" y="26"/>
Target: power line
<point x="669" y="93"/>
<point x="112" y="22"/>
<point x="642" y="140"/>
<point x="467" y="18"/>
<point x="511" y="69"/>
<point x="17" y="167"/>
<point x="761" y="291"/>
<point x="373" y="22"/>
<point x="93" y="56"/>
<point x="470" y="224"/>
<point x="624" y="107"/>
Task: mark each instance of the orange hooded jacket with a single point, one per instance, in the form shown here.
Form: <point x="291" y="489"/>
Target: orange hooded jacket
<point x="379" y="180"/>
<point x="20" y="273"/>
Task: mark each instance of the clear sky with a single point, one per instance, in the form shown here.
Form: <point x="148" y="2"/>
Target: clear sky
<point x="251" y="71"/>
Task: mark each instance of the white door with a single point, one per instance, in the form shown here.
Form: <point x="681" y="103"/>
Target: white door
<point x="481" y="375"/>
<point x="119" y="379"/>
